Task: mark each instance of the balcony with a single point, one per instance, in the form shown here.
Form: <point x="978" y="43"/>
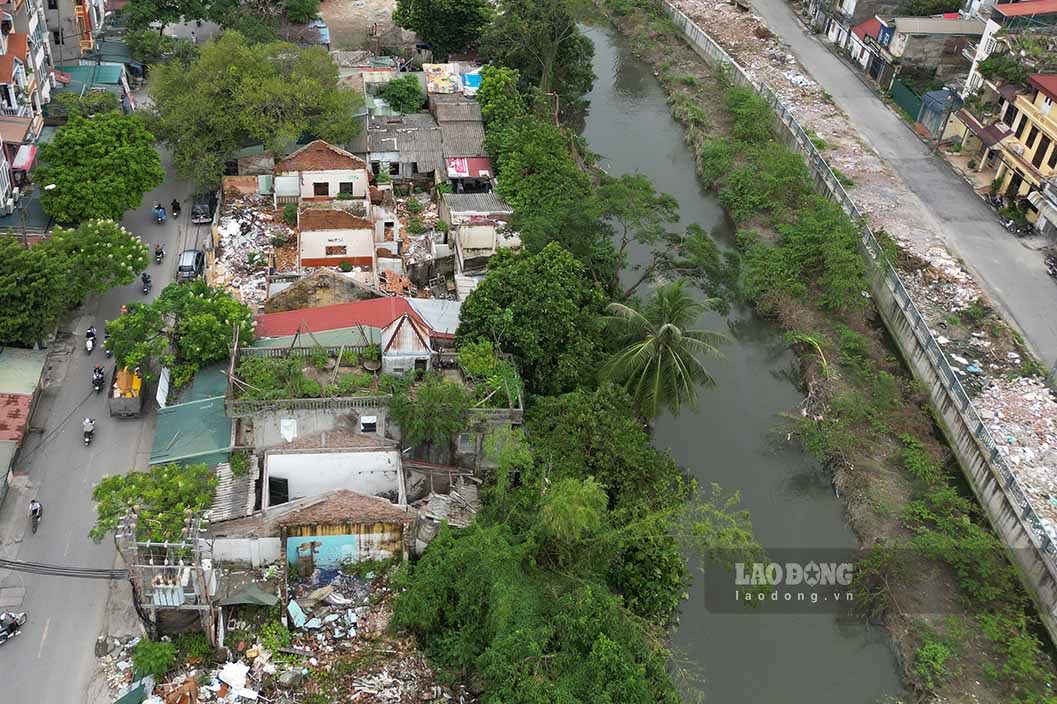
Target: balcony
<point x="969" y="52"/>
<point x="20" y="111"/>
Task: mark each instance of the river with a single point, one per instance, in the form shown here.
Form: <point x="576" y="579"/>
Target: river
<point x="758" y="655"/>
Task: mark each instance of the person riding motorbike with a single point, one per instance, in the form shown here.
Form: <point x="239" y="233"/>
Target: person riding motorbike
<point x="175" y="205"/>
<point x="159" y="212"/>
<point x="35" y="509"/>
<point x="159" y="251"/>
<point x="8" y="624"/>
<point x="88" y="425"/>
<point x="90" y="334"/>
<point x="97" y="374"/>
<point x="145" y="278"/>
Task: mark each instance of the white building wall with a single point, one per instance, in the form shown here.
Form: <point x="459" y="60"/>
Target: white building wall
<point x="334" y="179"/>
<point x="357" y="243"/>
<point x="313" y="472"/>
<point x="255" y="552"/>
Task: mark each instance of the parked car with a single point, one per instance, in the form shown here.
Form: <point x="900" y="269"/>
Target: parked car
<point x="191" y="264"/>
<point x="202" y="210"/>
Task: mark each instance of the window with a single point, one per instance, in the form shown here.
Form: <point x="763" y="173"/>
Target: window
<point x="1031" y="137"/>
<point x="1040" y="153"/>
<point x="337" y="250"/>
<point x="53" y="4"/>
<point x="1052" y="161"/>
<point x="278" y="491"/>
<point x="375" y="166"/>
<point x="1010" y="114"/>
<point x="1046" y="105"/>
<point x="56" y="37"/>
<point x="345" y="187"/>
<point x="467" y="442"/>
<point x="321" y="188"/>
<point x="394" y="168"/>
<point x="990" y="46"/>
<point x="1022" y="127"/>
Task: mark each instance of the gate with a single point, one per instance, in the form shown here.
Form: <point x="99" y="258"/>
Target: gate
<point x="906" y="99"/>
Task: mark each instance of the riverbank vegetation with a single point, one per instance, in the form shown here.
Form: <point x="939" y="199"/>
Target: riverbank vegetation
<point x="934" y="573"/>
<point x="563" y="588"/>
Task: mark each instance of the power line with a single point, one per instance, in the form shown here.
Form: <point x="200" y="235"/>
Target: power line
<point x="61" y="571"/>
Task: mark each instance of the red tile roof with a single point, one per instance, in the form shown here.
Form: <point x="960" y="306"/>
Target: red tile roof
<point x="1045" y="83"/>
<point x="330" y="219"/>
<point x="14" y="416"/>
<point x="869" y="28"/>
<point x="7" y="68"/>
<point x="374" y="313"/>
<point x="344" y="506"/>
<point x="18" y="45"/>
<point x="319" y="156"/>
<point x="1026" y="9"/>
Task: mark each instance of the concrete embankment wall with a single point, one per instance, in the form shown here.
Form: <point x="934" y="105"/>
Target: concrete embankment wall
<point x="1029" y="545"/>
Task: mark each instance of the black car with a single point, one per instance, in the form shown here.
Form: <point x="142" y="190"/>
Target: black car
<point x="190" y="265"/>
<point x="202" y="210"/>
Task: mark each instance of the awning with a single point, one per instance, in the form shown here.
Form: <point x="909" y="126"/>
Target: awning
<point x="469" y="167"/>
<point x="24" y="158"/>
<point x="990" y="135"/>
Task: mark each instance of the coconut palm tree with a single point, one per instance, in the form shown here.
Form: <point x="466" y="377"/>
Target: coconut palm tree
<point x="659" y="359"/>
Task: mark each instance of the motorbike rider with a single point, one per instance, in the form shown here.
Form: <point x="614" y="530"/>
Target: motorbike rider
<point x="88" y="425"/>
<point x="145" y="278"/>
<point x="159" y="211"/>
<point x="35" y="509"/>
<point x="175" y="205"/>
<point x="159" y="250"/>
<point x="8" y="623"/>
<point x="97" y="375"/>
<point x="90" y="334"/>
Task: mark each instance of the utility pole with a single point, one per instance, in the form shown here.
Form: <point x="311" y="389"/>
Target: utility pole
<point x="555" y="108"/>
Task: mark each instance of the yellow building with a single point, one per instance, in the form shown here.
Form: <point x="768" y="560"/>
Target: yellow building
<point x="1029" y="152"/>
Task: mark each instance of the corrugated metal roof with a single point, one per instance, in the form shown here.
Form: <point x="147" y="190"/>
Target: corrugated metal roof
<point x="193" y="432"/>
<point x="95" y="74"/>
<point x="14" y="416"/>
<point x="447" y="108"/>
<point x="20" y="369"/>
<point x="441" y="316"/>
<point x="405" y="336"/>
<point x="485" y="203"/>
<point x="416" y="137"/>
<point x="463" y="138"/>
<point x="235" y="496"/>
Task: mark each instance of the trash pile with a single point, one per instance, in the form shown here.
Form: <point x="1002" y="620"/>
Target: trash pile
<point x="250" y="232"/>
<point x="115" y="660"/>
<point x="1022" y="417"/>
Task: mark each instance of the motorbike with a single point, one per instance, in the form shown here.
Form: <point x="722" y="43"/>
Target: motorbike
<point x="158" y="254"/>
<point x="106" y="349"/>
<point x="146" y="286"/>
<point x="34" y="519"/>
<point x="89" y="344"/>
<point x="19" y="621"/>
<point x="159" y="216"/>
<point x="97" y="383"/>
<point x="88" y="437"/>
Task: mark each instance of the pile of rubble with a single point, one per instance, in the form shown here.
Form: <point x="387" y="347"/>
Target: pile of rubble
<point x="115" y="660"/>
<point x="250" y="230"/>
<point x="1021" y="413"/>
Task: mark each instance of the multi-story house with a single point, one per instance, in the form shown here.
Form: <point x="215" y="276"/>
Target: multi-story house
<point x="1029" y="151"/>
<point x="74" y="27"/>
<point x="1008" y="26"/>
<point x="25" y="62"/>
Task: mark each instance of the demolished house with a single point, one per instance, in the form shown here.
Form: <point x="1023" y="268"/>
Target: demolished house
<point x="476" y="226"/>
<point x="407" y="147"/>
<point x="336" y="236"/>
<point x="321" y="171"/>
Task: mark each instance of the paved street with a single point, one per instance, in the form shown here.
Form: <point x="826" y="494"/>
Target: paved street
<point x="53" y="660"/>
<point x="1013" y="275"/>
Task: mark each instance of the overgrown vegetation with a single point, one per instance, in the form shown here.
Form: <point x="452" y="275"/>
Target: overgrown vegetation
<point x="311" y="376"/>
<point x="432" y="411"/>
<point x="151" y="657"/>
<point x="163" y="497"/>
<point x="404" y="94"/>
<point x="802" y="265"/>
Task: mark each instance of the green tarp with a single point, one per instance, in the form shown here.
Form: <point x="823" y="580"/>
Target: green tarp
<point x="189" y="433"/>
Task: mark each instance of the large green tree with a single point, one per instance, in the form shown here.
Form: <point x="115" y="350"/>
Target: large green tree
<point x="272" y="93"/>
<point x="101" y="254"/>
<point x="100" y="167"/>
<point x="38" y="284"/>
<point x="31" y="292"/>
<point x="161" y="497"/>
<point x="448" y="26"/>
<point x="432" y="411"/>
<point x="659" y="355"/>
<point x="543" y="309"/>
<point x="203" y="322"/>
<point x="142" y="14"/>
<point x="404" y="94"/>
<point x="542" y="40"/>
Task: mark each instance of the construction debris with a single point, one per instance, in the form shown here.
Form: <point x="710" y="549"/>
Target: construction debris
<point x="1022" y="417"/>
<point x="249" y="236"/>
